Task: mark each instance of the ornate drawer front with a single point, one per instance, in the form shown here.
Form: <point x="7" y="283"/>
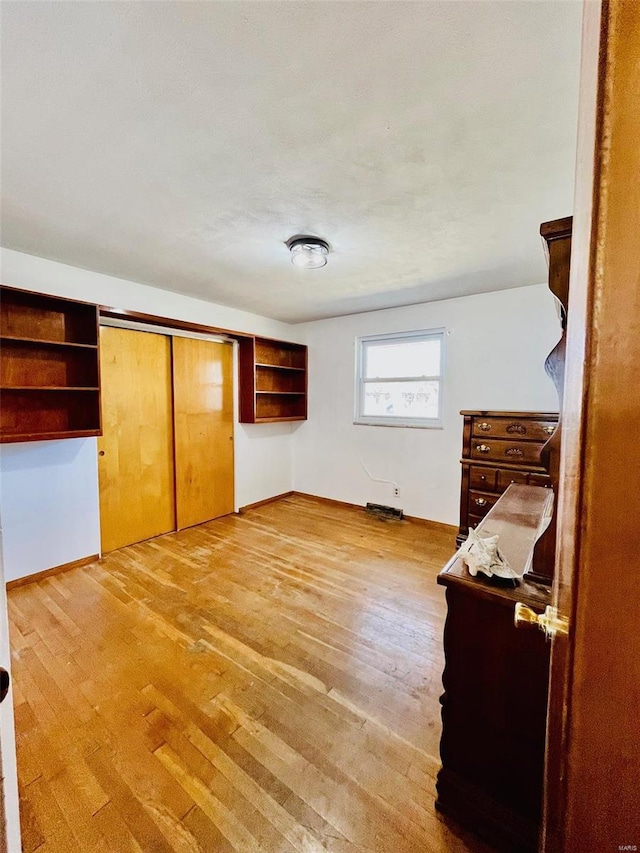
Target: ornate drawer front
<point x="480" y="504"/>
<point x="474" y="520"/>
<point x="482" y="478"/>
<point x="506" y="478"/>
<point x="513" y="452"/>
<point x="518" y="429"/>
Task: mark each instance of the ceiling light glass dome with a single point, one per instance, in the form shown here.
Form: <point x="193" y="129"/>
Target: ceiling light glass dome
<point x="310" y="253"/>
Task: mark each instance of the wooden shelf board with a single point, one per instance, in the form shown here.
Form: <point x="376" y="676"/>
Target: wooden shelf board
<point x="40" y="342"/>
<point x="279" y="367"/>
<point x="6" y="438"/>
<point x="284" y="393"/>
<point x="274" y="420"/>
<point x="48" y="388"/>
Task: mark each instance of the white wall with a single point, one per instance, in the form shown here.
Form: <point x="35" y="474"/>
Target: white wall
<point x="48" y="504"/>
<point x="495" y="351"/>
<point x="49" y="494"/>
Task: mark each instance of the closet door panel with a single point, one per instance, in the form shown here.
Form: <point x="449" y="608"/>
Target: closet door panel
<point x="203" y="428"/>
<point x="135" y="452"/>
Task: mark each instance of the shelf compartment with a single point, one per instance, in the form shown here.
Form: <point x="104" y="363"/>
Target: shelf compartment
<point x="31" y="414"/>
<point x="280" y="354"/>
<point x="283" y="381"/>
<point x="47" y="318"/>
<point x="27" y="364"/>
<point x="279" y="406"/>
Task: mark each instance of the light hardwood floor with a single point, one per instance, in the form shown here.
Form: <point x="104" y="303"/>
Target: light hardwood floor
<point x="263" y="682"/>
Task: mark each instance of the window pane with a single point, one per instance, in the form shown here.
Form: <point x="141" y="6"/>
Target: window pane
<point x="401" y="399"/>
<point x="410" y="358"/>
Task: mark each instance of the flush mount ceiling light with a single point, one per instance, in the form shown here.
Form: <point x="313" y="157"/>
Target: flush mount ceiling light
<point x="310" y="253"/>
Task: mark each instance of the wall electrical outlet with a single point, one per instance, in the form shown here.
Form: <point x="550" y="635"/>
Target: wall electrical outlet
<point x="396" y="492"/>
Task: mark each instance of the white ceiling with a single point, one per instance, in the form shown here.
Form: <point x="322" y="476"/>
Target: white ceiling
<point x="180" y="144"/>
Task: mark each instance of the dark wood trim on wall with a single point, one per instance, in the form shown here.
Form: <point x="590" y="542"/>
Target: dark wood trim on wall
<point x="56" y="570"/>
<point x="168" y="322"/>
<point x="181" y="325"/>
<point x="257" y="504"/>
<point x="414" y="519"/>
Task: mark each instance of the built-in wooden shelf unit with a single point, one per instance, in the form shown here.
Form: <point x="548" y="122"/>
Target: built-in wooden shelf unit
<point x="273" y="381"/>
<point x="49" y="369"/>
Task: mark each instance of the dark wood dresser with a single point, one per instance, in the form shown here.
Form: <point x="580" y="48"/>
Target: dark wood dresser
<point x="495" y="686"/>
<point x="498" y="449"/>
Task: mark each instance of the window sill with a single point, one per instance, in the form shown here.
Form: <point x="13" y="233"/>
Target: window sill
<point x="401" y="424"/>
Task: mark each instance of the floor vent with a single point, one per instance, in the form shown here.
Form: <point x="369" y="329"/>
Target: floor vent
<point x="381" y="511"/>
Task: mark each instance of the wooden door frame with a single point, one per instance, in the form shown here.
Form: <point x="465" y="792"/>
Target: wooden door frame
<point x="592" y="772"/>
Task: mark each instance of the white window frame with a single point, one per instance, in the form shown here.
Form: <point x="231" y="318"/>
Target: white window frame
<point x="391" y="420"/>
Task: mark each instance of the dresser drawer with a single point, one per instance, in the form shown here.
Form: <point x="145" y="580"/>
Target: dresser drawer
<point x="498" y="449"/>
<point x="480" y="504"/>
<point x="540" y="480"/>
<point x="513" y="452"/>
<point x="506" y="478"/>
<point x="519" y="429"/>
<point x="482" y="478"/>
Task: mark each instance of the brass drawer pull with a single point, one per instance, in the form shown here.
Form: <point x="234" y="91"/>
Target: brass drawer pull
<point x="480" y="501"/>
<point x="513" y="451"/>
<point x="483" y="448"/>
<point x="484" y="426"/>
<point x="549" y="430"/>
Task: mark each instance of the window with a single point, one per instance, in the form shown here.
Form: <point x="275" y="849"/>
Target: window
<point x="399" y="379"/>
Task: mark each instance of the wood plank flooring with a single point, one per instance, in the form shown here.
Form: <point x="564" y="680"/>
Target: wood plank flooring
<point x="264" y="682"/>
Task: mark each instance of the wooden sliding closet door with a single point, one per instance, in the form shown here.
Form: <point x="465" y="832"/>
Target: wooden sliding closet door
<point x="203" y="428"/>
<point x="135" y="452"/>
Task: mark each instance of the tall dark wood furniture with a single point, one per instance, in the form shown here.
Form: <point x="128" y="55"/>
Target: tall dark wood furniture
<point x="495" y="680"/>
<point x="49" y="369"/>
<point x="273" y="380"/>
<point x="498" y="449"/>
<point x="557" y="242"/>
<point x="495" y="687"/>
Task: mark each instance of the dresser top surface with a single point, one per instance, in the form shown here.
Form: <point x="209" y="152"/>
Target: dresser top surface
<point x="485" y="413"/>
<point x="519" y="518"/>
